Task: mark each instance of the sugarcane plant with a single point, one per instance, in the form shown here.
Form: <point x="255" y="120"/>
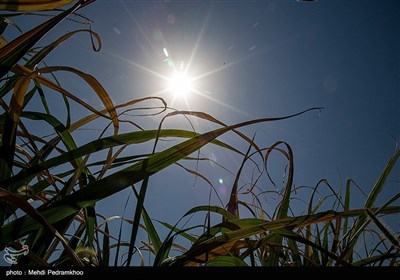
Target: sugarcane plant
<point x="50" y="185"/>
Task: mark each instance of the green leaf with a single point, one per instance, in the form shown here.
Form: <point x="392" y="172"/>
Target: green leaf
<point x="138" y="212"/>
<point x="275" y="251"/>
<point x="346" y="206"/>
<point x="106" y="246"/>
<point x="98" y="145"/>
<point x="288" y="223"/>
<point x="11" y="53"/>
<point x="118" y="181"/>
<point x="225" y="261"/>
<point x="38" y="220"/>
<point x="59" y="128"/>
<point x="90" y="224"/>
<point x="233" y="204"/>
<point x="380" y="183"/>
<point x="179" y="231"/>
<point x="209" y="208"/>
<point x="294" y="252"/>
<point x="7" y="147"/>
<point x="372" y="261"/>
<point x="362" y="221"/>
<point x="151" y="231"/>
<point x="384" y="229"/>
<point x="40" y="55"/>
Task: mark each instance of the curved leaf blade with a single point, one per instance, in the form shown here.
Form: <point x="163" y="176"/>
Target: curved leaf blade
<point x="33" y="5"/>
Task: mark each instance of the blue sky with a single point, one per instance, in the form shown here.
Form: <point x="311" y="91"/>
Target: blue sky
<point x="255" y="59"/>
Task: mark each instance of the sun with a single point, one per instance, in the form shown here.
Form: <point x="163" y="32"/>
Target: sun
<point x="180" y="84"/>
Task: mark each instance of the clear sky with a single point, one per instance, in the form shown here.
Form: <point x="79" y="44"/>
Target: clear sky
<point x="254" y="59"/>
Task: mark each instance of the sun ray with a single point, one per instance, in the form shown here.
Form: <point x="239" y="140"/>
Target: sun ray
<point x="216" y="70"/>
<point x="139" y="26"/>
<point x="187" y="102"/>
<point x="221" y="103"/>
<point x="148" y="70"/>
<point x="199" y="36"/>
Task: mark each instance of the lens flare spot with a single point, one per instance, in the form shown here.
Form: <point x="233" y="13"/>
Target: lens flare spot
<point x="165" y="52"/>
<point x="221" y="181"/>
<point x="116" y="31"/>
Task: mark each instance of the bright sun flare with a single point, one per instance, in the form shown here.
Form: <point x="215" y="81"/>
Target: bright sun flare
<point x="180" y="84"/>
